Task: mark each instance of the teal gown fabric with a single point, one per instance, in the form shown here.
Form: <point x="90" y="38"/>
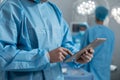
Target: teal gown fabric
<point x="28" y="31"/>
<point x="100" y="64"/>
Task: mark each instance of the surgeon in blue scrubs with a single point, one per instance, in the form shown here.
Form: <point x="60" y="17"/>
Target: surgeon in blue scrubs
<point x="34" y="40"/>
<point x="78" y="35"/>
<point x="99" y="66"/>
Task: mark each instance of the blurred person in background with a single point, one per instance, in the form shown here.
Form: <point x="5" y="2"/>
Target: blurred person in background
<point x="79" y="33"/>
<point x="99" y="66"/>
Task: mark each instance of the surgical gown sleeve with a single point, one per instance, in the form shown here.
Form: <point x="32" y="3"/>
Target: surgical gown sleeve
<point x="67" y="39"/>
<point x="11" y="57"/>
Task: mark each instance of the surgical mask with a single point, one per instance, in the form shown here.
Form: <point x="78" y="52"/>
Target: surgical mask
<point x="82" y="33"/>
<point x="37" y="1"/>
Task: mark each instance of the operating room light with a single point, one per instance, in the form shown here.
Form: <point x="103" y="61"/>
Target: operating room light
<point x="116" y="14"/>
<point x="1" y="1"/>
<point x="86" y="7"/>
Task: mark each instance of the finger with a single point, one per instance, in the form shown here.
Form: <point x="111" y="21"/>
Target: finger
<point x="91" y="50"/>
<point x="64" y="53"/>
<point x="62" y="57"/>
<point x="86" y="52"/>
<point x="85" y="57"/>
<point x="68" y="51"/>
<point x="89" y="55"/>
<point x="80" y="60"/>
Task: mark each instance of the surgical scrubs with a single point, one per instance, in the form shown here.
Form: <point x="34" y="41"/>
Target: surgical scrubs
<point x="77" y="36"/>
<point x="28" y="31"/>
<point x="100" y="64"/>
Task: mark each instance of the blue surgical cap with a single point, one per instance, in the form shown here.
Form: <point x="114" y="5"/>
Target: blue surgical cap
<point x="84" y="24"/>
<point x="101" y="13"/>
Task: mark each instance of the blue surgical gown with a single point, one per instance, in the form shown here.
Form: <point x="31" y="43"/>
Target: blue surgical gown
<point x="28" y="31"/>
<point x="77" y="36"/>
<point x="100" y="64"/>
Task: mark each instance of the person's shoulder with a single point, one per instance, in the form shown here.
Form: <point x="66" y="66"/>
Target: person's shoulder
<point x="11" y="8"/>
<point x="57" y="11"/>
<point x="108" y="28"/>
<point x="92" y="28"/>
<point x="10" y="4"/>
<point x="105" y="29"/>
<point x="55" y="7"/>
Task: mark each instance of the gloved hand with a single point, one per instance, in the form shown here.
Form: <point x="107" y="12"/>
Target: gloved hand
<point x="59" y="54"/>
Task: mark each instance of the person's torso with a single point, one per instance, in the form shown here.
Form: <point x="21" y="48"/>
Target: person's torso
<point x="100" y="64"/>
<point x="40" y="28"/>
